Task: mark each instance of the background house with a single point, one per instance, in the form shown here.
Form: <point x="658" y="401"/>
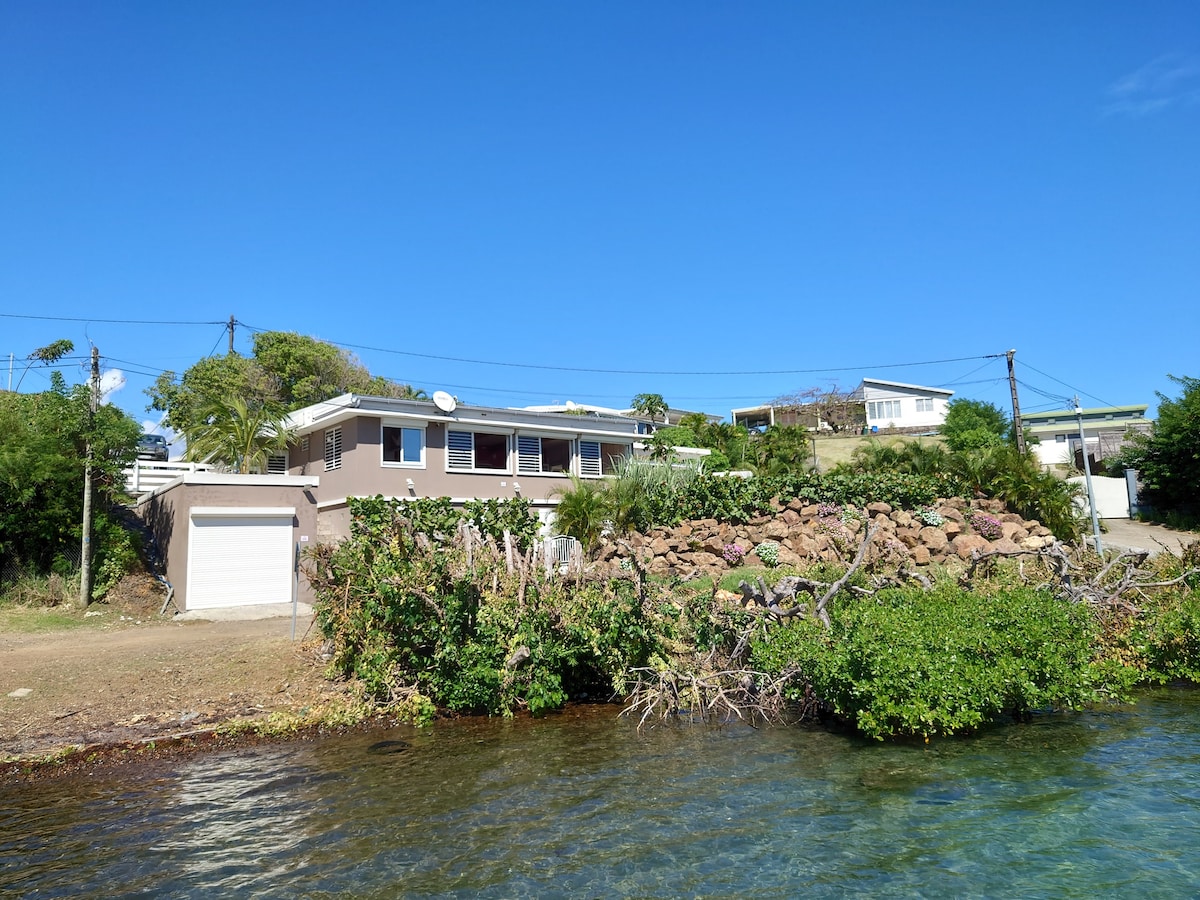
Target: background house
<point x="894" y="406"/>
<point x="890" y="406"/>
<point x="1106" y="430"/>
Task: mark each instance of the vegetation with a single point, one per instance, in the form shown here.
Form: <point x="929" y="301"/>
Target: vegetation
<point x="652" y="406"/>
<point x="830" y="407"/>
<point x="995" y="470"/>
<point x="43" y="453"/>
<point x="286" y="371"/>
<point x="233" y="434"/>
<point x="431" y="616"/>
<point x="945" y="661"/>
<point x="974" y="425"/>
<point x="1168" y="460"/>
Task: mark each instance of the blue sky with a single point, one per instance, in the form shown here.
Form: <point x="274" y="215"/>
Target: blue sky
<point x="526" y="203"/>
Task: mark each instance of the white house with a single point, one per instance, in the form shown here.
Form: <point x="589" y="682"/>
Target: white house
<point x="896" y="406"/>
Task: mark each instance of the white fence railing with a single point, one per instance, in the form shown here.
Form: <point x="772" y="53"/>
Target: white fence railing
<point x="145" y="475"/>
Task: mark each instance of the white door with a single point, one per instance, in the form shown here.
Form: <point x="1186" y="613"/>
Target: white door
<point x="239" y="557"/>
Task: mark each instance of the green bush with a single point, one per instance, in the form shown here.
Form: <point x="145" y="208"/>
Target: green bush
<point x="911" y="662"/>
<point x="404" y="610"/>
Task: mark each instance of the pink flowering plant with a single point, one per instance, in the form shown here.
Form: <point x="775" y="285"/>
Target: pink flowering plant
<point x="986" y="526"/>
<point x="734" y="554"/>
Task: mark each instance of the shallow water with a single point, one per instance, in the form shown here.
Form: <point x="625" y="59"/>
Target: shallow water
<point x="583" y="805"/>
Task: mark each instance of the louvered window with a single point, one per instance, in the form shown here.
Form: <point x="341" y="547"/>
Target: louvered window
<point x="596" y="459"/>
<point x="529" y="455"/>
<point x="589" y="459"/>
<point x="460" y="449"/>
<point x="479" y="451"/>
<point x="277" y="465"/>
<point x="543" y="455"/>
<point x="333" y="449"/>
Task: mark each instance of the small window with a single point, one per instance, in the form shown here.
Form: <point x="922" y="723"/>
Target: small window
<point x="543" y="455"/>
<point x="596" y="459"/>
<point x="304" y="443"/>
<point x="925" y="404"/>
<point x="477" y="450"/>
<point x="403" y="446"/>
<point x="277" y="465"/>
<point x="883" y="409"/>
<point x="333" y="449"/>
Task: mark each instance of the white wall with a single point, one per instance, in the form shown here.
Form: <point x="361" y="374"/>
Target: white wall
<point x="909" y="417"/>
<point x="1112" y="496"/>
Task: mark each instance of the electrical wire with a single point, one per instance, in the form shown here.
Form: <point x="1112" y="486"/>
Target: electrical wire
<point x="516" y="365"/>
<point x="106" y="321"/>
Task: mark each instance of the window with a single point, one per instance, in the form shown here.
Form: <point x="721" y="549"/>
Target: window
<point x="924" y="404"/>
<point x="883" y="409"/>
<point x="333" y="449"/>
<point x="477" y="450"/>
<point x="596" y="459"/>
<point x="543" y="455"/>
<point x="277" y="465"/>
<point x="403" y="446"/>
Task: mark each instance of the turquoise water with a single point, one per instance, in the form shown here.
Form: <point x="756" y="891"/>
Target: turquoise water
<point x="582" y="805"/>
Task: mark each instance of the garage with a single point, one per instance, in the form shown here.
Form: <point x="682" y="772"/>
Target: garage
<point x="239" y="556"/>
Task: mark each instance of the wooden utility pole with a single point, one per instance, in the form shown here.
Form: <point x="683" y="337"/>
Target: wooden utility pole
<point x="231" y="324"/>
<point x="85" y="557"/>
<point x="1018" y="428"/>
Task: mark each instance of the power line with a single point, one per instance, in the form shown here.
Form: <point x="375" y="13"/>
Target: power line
<point x="1072" y="387"/>
<point x="516" y="365"/>
<point x="105" y="321"/>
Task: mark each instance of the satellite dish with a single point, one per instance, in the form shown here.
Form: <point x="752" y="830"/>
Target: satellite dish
<point x="444" y="402"/>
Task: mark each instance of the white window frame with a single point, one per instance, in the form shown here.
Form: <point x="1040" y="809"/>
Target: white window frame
<point x="530" y="461"/>
<point x="274" y="457"/>
<point x="924" y="404"/>
<point x="883" y="410"/>
<point x="333" y="448"/>
<point x="403" y="426"/>
<point x="593" y="466"/>
<point x="473" y="469"/>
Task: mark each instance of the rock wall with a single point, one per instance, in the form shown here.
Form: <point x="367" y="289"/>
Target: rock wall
<point x="810" y="532"/>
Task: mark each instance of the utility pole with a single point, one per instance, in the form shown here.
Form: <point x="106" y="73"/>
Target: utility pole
<point x="1087" y="471"/>
<point x="85" y="560"/>
<point x="1018" y="428"/>
<point x="231" y="323"/>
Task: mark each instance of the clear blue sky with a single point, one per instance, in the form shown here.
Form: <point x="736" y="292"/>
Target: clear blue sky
<point x="759" y="190"/>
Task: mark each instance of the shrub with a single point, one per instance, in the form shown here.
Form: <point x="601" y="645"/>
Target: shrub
<point x="768" y="552"/>
<point x="910" y="662"/>
<point x="986" y="526"/>
<point x="734" y="554"/>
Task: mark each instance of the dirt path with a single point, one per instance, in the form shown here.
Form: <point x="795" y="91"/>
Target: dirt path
<point x="99" y="687"/>
<point x="1129" y="534"/>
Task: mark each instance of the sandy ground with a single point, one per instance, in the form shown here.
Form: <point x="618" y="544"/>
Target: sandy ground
<point x="95" y="687"/>
<point x="1129" y="534"/>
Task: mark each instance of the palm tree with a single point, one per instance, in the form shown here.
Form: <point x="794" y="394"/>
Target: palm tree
<point x="582" y="511"/>
<point x="233" y="434"/>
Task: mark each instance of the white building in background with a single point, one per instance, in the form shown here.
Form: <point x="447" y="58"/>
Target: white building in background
<point x="1106" y="430"/>
<point x="896" y="406"/>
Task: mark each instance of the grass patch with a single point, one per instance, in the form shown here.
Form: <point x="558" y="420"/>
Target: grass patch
<point x="43" y="619"/>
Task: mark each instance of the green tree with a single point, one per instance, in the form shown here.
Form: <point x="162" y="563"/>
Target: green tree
<point x="583" y="511"/>
<point x="974" y="424"/>
<point x="650" y="405"/>
<point x="1168" y="459"/>
<point x="235" y="434"/>
<point x="286" y="371"/>
<point x="43" y="440"/>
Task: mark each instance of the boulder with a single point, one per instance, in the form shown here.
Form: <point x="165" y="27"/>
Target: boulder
<point x="952" y="528"/>
<point x="965" y="544"/>
<point x="1013" y="531"/>
<point x="776" y="530"/>
<point x="920" y="555"/>
<point x="901" y="518"/>
<point x="933" y="538"/>
<point x="879" y="509"/>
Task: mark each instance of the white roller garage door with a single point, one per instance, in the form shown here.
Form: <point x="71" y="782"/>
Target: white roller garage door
<point x="239" y="557"/>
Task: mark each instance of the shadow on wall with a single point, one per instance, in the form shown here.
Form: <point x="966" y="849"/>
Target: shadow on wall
<point x="160" y="523"/>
